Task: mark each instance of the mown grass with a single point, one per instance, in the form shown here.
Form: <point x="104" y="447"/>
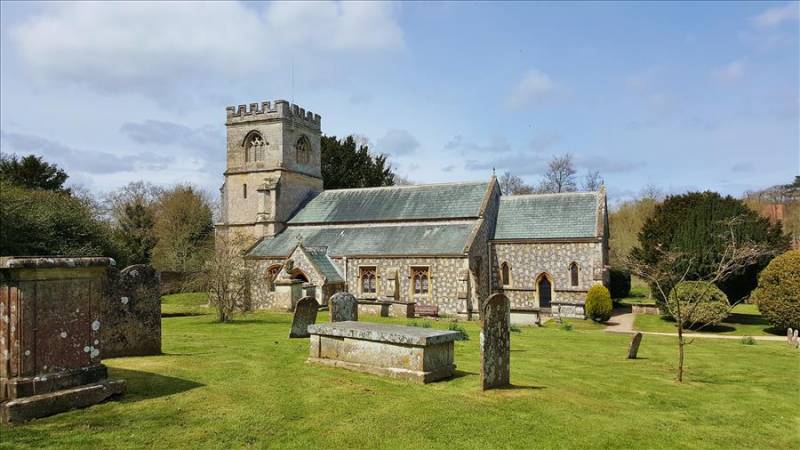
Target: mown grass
<point x="186" y="304"/>
<point x="244" y="384"/>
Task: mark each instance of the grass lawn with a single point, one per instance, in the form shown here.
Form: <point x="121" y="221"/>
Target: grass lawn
<point x="639" y="295"/>
<point x="745" y="320"/>
<point x="244" y="384"/>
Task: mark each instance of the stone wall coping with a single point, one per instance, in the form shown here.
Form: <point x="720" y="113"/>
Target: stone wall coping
<point x="379" y="332"/>
<point x="44" y="262"/>
<point x="288" y="282"/>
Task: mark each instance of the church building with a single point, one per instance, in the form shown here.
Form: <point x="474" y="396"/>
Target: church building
<point x="443" y="246"/>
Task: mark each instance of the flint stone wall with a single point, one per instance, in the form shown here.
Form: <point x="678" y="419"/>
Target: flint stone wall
<point x="529" y="260"/>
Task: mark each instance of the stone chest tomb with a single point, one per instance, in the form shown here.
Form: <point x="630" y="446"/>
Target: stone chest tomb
<point x="50" y="336"/>
<point x="417" y="354"/>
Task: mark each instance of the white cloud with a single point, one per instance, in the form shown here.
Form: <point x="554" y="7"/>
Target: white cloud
<point x="776" y="16"/>
<point x="534" y="87"/>
<point x="145" y="46"/>
<point x="397" y="142"/>
<point x="497" y="144"/>
<point x="732" y="71"/>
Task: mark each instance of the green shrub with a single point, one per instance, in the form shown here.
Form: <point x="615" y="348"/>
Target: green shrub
<point x="598" y="303"/>
<point x="515" y="328"/>
<point x="566" y="326"/>
<point x="778" y="292"/>
<point x="619" y="283"/>
<point x="700" y="303"/>
<point x="462" y="332"/>
<point x="748" y="340"/>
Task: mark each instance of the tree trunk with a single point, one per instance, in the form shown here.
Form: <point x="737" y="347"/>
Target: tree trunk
<point x="680" y="352"/>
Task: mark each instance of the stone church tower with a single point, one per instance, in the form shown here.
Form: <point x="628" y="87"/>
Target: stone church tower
<point x="273" y="167"/>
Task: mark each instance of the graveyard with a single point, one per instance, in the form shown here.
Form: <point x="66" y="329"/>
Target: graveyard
<point x="246" y="384"/>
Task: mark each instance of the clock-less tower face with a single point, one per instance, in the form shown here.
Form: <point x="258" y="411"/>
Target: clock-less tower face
<point x="273" y="164"/>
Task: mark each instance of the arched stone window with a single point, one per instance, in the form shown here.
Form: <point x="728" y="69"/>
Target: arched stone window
<point x="254" y="147"/>
<point x="303" y="149"/>
<point x="505" y="274"/>
<point x="573" y="274"/>
<point x="544" y="288"/>
<point x="420" y="280"/>
<point x="298" y="274"/>
<point x="272" y="273"/>
<point x="368" y="280"/>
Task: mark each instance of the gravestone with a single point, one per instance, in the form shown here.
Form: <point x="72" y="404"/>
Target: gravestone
<point x="633" y="350"/>
<point x="789" y="337"/>
<point x="51" y="336"/>
<point x="344" y="307"/>
<point x="796" y="338"/>
<point x="131" y="312"/>
<point x="495" y="342"/>
<point x="305" y="314"/>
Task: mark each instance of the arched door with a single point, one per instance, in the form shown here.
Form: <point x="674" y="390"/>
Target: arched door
<point x="545" y="292"/>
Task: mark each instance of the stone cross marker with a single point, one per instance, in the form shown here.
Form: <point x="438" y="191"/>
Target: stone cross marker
<point x="633" y="350"/>
<point x="305" y="314"/>
<point x="495" y="342"/>
<point x="344" y="307"/>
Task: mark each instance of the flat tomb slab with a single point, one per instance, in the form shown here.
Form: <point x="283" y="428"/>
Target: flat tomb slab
<point x="417" y="354"/>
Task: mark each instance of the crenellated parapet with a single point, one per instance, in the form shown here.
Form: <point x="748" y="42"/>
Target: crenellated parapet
<point x="279" y="109"/>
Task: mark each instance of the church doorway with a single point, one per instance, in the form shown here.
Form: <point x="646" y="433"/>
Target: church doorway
<point x="545" y="290"/>
<point x="298" y="274"/>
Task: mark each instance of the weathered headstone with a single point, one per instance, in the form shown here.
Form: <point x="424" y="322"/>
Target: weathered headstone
<point x="344" y="307"/>
<point x="796" y="338"/>
<point x="131" y="311"/>
<point x="496" y="342"/>
<point x="51" y="336"/>
<point x="305" y="314"/>
<point x="633" y="350"/>
<point x="789" y="337"/>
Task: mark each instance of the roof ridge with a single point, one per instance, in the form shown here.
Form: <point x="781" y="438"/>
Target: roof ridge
<point x="375" y="188"/>
<point x="548" y="194"/>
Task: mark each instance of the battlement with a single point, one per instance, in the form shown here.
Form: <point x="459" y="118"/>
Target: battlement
<point x="279" y="109"/>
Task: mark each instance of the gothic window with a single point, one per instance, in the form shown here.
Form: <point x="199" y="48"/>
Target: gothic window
<point x="368" y="280"/>
<point x="505" y="274"/>
<point x="254" y="147"/>
<point x="303" y="149"/>
<point x="573" y="274"/>
<point x="272" y="273"/>
<point x="420" y="280"/>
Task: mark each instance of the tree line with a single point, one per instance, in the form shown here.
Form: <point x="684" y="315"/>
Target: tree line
<point x="559" y="176"/>
<point x="170" y="227"/>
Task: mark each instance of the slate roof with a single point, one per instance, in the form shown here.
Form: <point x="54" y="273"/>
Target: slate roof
<point x="395" y="203"/>
<point x="440" y="239"/>
<point x="319" y="258"/>
<point x="547" y="216"/>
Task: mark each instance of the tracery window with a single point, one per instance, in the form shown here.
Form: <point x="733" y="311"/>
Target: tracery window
<point x="255" y="147"/>
<point x="505" y="274"/>
<point x="420" y="280"/>
<point x="303" y="149"/>
<point x="573" y="274"/>
<point x="368" y="280"/>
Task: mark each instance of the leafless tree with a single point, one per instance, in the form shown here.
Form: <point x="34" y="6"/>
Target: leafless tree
<point x="673" y="268"/>
<point x="227" y="277"/>
<point x="133" y="193"/>
<point x="592" y="181"/>
<point x="560" y="175"/>
<point x="652" y="192"/>
<point x="511" y="184"/>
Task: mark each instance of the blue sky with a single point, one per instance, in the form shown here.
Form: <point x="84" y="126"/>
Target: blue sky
<point x="678" y="95"/>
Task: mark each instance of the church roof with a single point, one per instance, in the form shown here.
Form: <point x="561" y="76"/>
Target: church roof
<point x="439" y="239"/>
<point x="394" y="203"/>
<point x="548" y="216"/>
<point x="319" y="258"/>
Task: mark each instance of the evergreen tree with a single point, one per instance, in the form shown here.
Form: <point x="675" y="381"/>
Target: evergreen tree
<point x="32" y="172"/>
<point x="347" y="165"/>
<point x="136" y="234"/>
<point x="697" y="225"/>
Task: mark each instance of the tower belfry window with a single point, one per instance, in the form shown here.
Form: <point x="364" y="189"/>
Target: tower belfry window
<point x="303" y="150"/>
<point x="255" y="147"/>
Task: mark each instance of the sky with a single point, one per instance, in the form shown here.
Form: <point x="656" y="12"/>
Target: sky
<point x="680" y="96"/>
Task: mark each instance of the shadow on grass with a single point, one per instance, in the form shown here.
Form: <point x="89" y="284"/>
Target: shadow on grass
<point x="184" y="314"/>
<point x="518" y="387"/>
<point x="147" y="385"/>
